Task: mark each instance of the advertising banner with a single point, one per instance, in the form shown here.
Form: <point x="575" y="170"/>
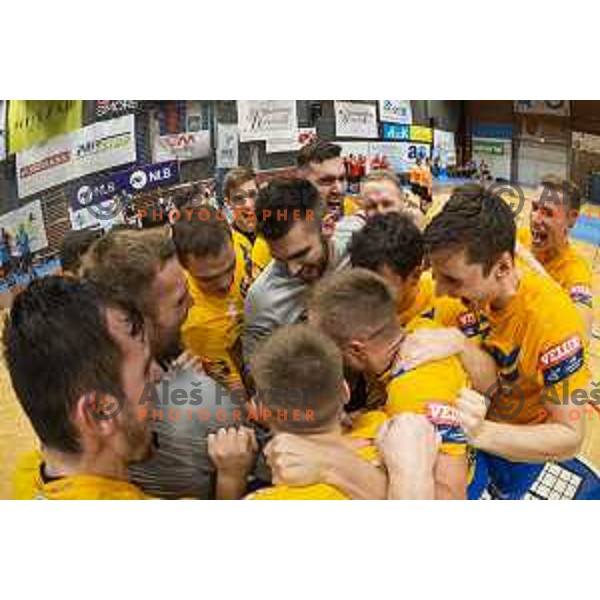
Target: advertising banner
<point x="395" y="111"/>
<point x="94" y="148"/>
<point x="26" y="220"/>
<point x="191" y="145"/>
<point x="355" y="120"/>
<point x="267" y="119"/>
<point x="32" y="122"/>
<point x="227" y="146"/>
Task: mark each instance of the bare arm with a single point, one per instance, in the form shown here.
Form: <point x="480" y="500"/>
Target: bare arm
<point x="558" y="439"/>
<point x="450" y="475"/>
<point x="297" y="461"/>
<point x="356" y="477"/>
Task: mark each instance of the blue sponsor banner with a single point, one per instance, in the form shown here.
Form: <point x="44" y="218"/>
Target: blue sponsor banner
<point x="395" y="131"/>
<point x="492" y="130"/>
<point x="134" y="180"/>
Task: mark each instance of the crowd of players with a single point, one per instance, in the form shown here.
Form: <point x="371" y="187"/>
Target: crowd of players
<point x="267" y="351"/>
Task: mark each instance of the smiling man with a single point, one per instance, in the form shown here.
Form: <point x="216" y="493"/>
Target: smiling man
<point x="289" y="214"/>
<point x="535" y="337"/>
<point x="218" y="272"/>
<point x="554" y="211"/>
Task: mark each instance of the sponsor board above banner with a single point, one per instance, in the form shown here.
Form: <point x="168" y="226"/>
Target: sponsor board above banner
<point x="27" y="221"/>
<point x="305" y="136"/>
<point x="109" y="109"/>
<point x="191" y="145"/>
<point x="267" y="119"/>
<point x="355" y="120"/>
<point x="135" y="180"/>
<point x="227" y="146"/>
<point x="94" y="148"/>
<point x="543" y="107"/>
<point x="395" y="111"/>
<point x="32" y="122"/>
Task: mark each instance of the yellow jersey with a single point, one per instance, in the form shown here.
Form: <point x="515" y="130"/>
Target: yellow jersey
<point x="537" y="342"/>
<point x="570" y="270"/>
<point x="430" y="389"/>
<point x="364" y="427"/>
<point x="213" y="325"/>
<point x="29" y="485"/>
<point x="260" y="256"/>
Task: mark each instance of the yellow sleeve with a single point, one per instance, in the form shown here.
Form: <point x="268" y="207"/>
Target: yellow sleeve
<point x="320" y="491"/>
<point x="261" y="256"/>
<point x="431" y="389"/>
<point x="579" y="282"/>
<point x="559" y="349"/>
<point x="210" y="345"/>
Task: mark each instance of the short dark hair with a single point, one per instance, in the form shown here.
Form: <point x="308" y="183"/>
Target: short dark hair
<point x="58" y="348"/>
<point x="391" y="239"/>
<point x="200" y="233"/>
<point x="74" y="245"/>
<point x="317" y="151"/>
<point x="479" y="222"/>
<point x="277" y="202"/>
<point x="352" y="303"/>
<point x="568" y="188"/>
<point x="235" y="178"/>
<point x="124" y="265"/>
<point x="300" y="367"/>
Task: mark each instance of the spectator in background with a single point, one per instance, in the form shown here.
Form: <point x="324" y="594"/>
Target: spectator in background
<point x="382" y="193"/>
<point x="240" y="191"/>
<point x="73" y="247"/>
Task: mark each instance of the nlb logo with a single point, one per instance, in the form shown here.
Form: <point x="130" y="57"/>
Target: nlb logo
<point x="87" y="194"/>
<point x="139" y="179"/>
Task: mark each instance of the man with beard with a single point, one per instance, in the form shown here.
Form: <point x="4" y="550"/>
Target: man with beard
<point x="78" y="365"/>
<point x="141" y="269"/>
<point x="321" y="163"/>
<point x="289" y="214"/>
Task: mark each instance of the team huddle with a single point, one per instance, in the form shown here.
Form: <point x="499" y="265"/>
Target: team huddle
<point x="271" y="350"/>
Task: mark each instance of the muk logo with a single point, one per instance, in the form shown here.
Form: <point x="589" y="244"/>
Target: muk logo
<point x="562" y="351"/>
<point x="467" y="319"/>
<point x="87" y="194"/>
<point x="395" y="132"/>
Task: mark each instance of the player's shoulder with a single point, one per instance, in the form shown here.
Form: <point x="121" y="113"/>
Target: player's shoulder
<point x="579" y="269"/>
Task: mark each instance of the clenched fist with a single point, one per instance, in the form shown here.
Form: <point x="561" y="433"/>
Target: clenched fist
<point x="233" y="450"/>
<point x="472" y="408"/>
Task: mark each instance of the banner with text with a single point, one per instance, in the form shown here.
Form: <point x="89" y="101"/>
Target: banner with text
<point x="267" y="119"/>
<point x="135" y="180"/>
<point x="355" y="120"/>
<point x="395" y="111"/>
<point x="32" y="122"/>
<point x="94" y="148"/>
<point x="191" y="145"/>
<point x="305" y="136"/>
